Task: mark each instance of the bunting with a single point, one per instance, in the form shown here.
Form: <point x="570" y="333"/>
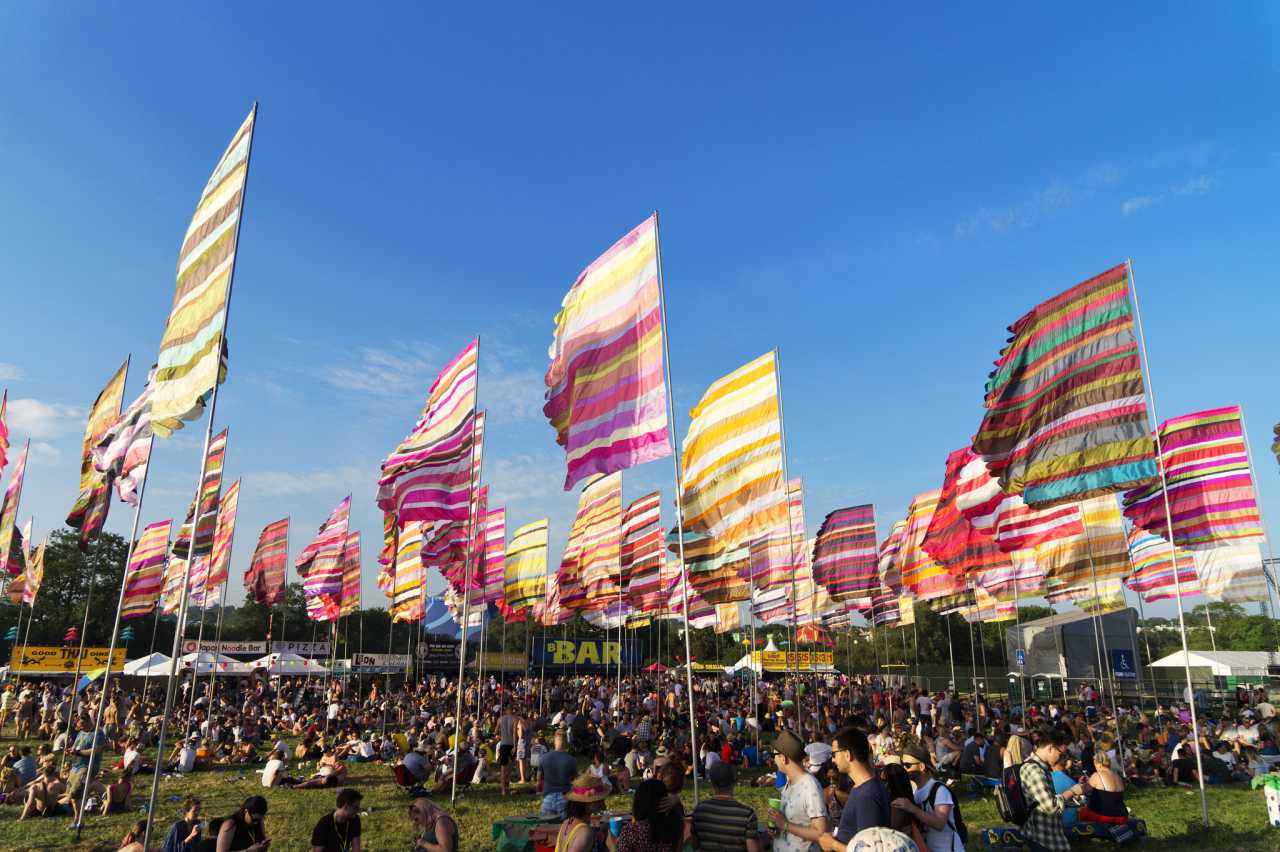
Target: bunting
<point x="192" y="348"/>
<point x="144" y="575"/>
<point x="204" y="520"/>
<point x="320" y="563"/>
<point x="121" y="455"/>
<point x="844" y="553"/>
<point x="264" y="581"/>
<point x="606" y="393"/>
<point x="526" y="565"/>
<point x="1210" y="485"/>
<point x="1153" y="570"/>
<point x="90" y="510"/>
<point x="223" y="536"/>
<point x="732" y="487"/>
<point x="350" y="595"/>
<point x="1066" y="411"/>
<point x="9" y="512"/>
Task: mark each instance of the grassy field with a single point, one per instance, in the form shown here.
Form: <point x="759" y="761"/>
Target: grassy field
<point x="1172" y="815"/>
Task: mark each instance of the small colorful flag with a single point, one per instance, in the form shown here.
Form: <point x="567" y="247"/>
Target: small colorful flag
<point x="144" y="576"/>
<point x="70" y="635"/>
<point x="320" y="563"/>
<point x="9" y="512"/>
<point x="195" y="536"/>
<point x="4" y="430"/>
<point x="264" y="580"/>
<point x="526" y="565"/>
<point x="90" y="510"/>
<point x="12" y="633"/>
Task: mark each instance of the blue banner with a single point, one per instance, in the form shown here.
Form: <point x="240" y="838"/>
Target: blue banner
<point x="585" y="654"/>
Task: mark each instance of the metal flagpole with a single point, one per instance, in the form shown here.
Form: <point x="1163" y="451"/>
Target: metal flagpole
<point x="951" y="651"/>
<point x="195" y="664"/>
<point x="18" y="632"/>
<point x="1099" y="635"/>
<point x="1168" y="515"/>
<point x="31" y="616"/>
<point x="973" y="677"/>
<point x="675" y="458"/>
<point x="222" y="605"/>
<point x="391" y="620"/>
<point x="1248" y="451"/>
<point x="1142" y="614"/>
<point x="284" y="607"/>
<point x="466" y="581"/>
<point x="71" y="710"/>
<point x="1017" y="620"/>
<point x="791" y="534"/>
<point x="1213" y="642"/>
<point x="204" y="458"/>
<point x="155" y="627"/>
<point x="115" y="635"/>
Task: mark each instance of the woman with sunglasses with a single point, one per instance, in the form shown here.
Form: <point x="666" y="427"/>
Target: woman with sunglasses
<point x="243" y="830"/>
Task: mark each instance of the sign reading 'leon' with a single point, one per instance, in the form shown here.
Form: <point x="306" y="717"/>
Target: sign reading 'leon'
<point x="63" y="659"/>
<point x="585" y="654"/>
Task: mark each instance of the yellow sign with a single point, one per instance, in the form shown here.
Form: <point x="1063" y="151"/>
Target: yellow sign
<point x="62" y="659"/>
<point x="790" y="661"/>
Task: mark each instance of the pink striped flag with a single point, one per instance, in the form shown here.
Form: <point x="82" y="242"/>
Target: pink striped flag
<point x="320" y="563"/>
<point x="145" y="573"/>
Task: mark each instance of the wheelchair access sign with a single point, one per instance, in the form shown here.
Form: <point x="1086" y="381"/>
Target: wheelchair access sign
<point x="1123" y="664"/>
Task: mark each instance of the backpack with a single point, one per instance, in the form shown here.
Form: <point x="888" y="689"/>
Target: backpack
<point x="1011" y="797"/>
<point x="957" y="820"/>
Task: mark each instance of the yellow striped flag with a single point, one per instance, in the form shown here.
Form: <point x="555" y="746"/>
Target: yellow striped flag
<point x="145" y="571"/>
<point x="90" y="510"/>
<point x="526" y="565"/>
<point x="192" y="347"/>
<point x="407" y="603"/>
<point x="732" y="489"/>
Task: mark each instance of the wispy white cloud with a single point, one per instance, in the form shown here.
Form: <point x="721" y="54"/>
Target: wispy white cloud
<point x="525" y="477"/>
<point x="284" y="483"/>
<point x="39" y="419"/>
<point x="1054" y="197"/>
<point x="45" y="453"/>
<point x="389" y="373"/>
<point x="11" y="372"/>
<point x="1190" y="188"/>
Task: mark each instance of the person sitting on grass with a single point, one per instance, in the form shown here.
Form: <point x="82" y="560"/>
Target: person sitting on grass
<point x="183" y="757"/>
<point x="132" y="840"/>
<point x="243" y="830"/>
<point x="1105" y="802"/>
<point x="585" y="797"/>
<point x="115" y="799"/>
<point x="274" y="773"/>
<point x="185" y="833"/>
<point x="652" y="828"/>
<point x="339" y="831"/>
<point x="330" y="772"/>
<point x="10" y="785"/>
<point x="437" y="832"/>
<point x="45" y="795"/>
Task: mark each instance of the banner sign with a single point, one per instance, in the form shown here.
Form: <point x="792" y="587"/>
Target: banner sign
<point x="791" y="660"/>
<point x="302" y="649"/>
<point x="62" y="659"/>
<point x="585" y="654"/>
<point x="394" y="661"/>
<point x="439" y="653"/>
<point x="510" y="661"/>
<point x="256" y="649"/>
<point x="1122" y="664"/>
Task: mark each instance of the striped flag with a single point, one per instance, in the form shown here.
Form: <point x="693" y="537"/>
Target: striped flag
<point x="320" y="563"/>
<point x="732" y="489"/>
<point x="9" y="512"/>
<point x="921" y="574"/>
<point x="1100" y="553"/>
<point x="1066" y="411"/>
<point x="428" y="476"/>
<point x="144" y="575"/>
<point x="350" y="575"/>
<point x="593" y="552"/>
<point x="844" y="553"/>
<point x="406" y="603"/>
<point x="951" y="539"/>
<point x="1232" y="573"/>
<point x="121" y="455"/>
<point x="4" y="430"/>
<point x="71" y="635"/>
<point x="264" y="581"/>
<point x="606" y="392"/>
<point x="1211" y="494"/>
<point x="1006" y="518"/>
<point x="196" y="533"/>
<point x="223" y="536"/>
<point x="526" y="565"/>
<point x="1152" y="575"/>
<point x="192" y="348"/>
<point x="494" y="553"/>
<point x="642" y="554"/>
<point x="90" y="510"/>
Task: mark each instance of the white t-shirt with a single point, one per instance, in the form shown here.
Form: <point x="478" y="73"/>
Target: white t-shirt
<point x="186" y="759"/>
<point x="944" y="839"/>
<point x="801" y="802"/>
<point x="274" y="765"/>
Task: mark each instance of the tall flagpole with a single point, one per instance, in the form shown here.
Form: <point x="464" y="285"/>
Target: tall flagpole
<point x="675" y="459"/>
<point x="1168" y="515"/>
<point x="284" y="606"/>
<point x="1100" y="636"/>
<point x="222" y="605"/>
<point x="204" y="593"/>
<point x="204" y="459"/>
<point x="791" y="534"/>
<point x="71" y="710"/>
<point x="115" y="632"/>
<point x="391" y="616"/>
<point x="1257" y="496"/>
<point x="472" y="505"/>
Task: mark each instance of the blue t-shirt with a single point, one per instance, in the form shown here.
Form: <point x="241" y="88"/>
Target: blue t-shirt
<point x="867" y="807"/>
<point x="1062" y="782"/>
<point x="558" y="770"/>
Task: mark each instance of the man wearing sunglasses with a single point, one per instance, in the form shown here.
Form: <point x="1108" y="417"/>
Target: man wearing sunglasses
<point x="868" y="802"/>
<point x="932" y="805"/>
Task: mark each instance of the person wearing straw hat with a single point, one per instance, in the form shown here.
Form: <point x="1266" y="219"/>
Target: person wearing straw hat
<point x="586" y="796"/>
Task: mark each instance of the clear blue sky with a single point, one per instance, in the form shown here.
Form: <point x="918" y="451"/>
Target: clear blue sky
<point x="876" y="193"/>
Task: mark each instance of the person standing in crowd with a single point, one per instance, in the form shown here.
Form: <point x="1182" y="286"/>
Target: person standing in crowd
<point x="932" y="805"/>
<point x="558" y="768"/>
<point x="721" y="823"/>
<point x="1043" y="830"/>
<point x="339" y="830"/>
<point x="803" y="817"/>
<point x="506" y="748"/>
<point x="437" y="832"/>
<point x="868" y="802"/>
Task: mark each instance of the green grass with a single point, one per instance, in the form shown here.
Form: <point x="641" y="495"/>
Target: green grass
<point x="1172" y="815"/>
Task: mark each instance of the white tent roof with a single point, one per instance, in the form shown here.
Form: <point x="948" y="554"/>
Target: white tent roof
<point x="1221" y="663"/>
<point x="287" y="664"/>
<point x="154" y="665"/>
<point x="216" y="663"/>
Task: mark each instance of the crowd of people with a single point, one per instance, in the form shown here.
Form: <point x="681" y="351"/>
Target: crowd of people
<point x="842" y="754"/>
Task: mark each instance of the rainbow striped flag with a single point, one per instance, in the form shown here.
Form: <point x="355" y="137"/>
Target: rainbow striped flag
<point x="350" y="596"/>
<point x="407" y="601"/>
<point x="1066" y="411"/>
<point x="887" y="558"/>
<point x="145" y="572"/>
<point x="1211" y="494"/>
<point x="1006" y="518"/>
<point x="264" y="581"/>
<point x="320" y="563"/>
<point x="642" y="553"/>
<point x="90" y="510"/>
<point x="1100" y="552"/>
<point x="844" y="553"/>
<point x="526" y="565"/>
<point x="951" y="539"/>
<point x="1232" y="573"/>
<point x="4" y="430"/>
<point x="606" y="392"/>
<point x="494" y="573"/>
<point x="732" y="489"/>
<point x="920" y="573"/>
<point x="223" y="535"/>
<point x="205" y="520"/>
<point x="9" y="512"/>
<point x="192" y="349"/>
<point x="1152" y="575"/>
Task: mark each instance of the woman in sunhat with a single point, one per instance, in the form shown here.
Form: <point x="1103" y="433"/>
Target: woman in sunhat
<point x="586" y="796"/>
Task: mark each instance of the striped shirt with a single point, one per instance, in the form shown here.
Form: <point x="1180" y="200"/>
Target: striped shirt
<point x="723" y="824"/>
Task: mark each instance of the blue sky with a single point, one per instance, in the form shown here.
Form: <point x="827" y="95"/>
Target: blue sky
<point x="876" y="193"/>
